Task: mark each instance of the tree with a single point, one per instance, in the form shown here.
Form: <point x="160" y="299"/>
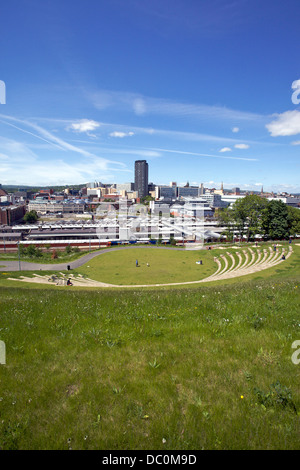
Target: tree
<point x="68" y="249"/>
<point x="293" y="221"/>
<point x="31" y="251"/>
<point x="225" y="220"/>
<point x="245" y="216"/>
<point x="30" y="217"/>
<point x="22" y="249"/>
<point x="254" y="207"/>
<point x="146" y="199"/>
<point x="38" y="252"/>
<point x="276" y="220"/>
<point x="238" y="216"/>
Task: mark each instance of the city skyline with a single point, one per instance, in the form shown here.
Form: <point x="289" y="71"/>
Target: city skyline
<point x="206" y="93"/>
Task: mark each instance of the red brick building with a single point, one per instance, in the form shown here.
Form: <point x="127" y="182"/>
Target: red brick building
<point x="11" y="214"/>
<point x="3" y="192"/>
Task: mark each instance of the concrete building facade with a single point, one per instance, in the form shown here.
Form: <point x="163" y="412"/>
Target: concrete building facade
<point x="55" y="207"/>
<point x="141" y="177"/>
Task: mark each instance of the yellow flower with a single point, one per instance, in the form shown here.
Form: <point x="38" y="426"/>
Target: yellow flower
<point x="242" y="396"/>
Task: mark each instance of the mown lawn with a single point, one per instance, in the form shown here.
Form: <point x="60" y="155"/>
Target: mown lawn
<point x="154" y="266"/>
<point x="173" y="266"/>
<point x="203" y="368"/>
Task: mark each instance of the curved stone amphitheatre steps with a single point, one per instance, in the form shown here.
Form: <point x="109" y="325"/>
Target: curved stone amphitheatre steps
<point x="253" y="262"/>
<point x="246" y="261"/>
<point x="233" y="264"/>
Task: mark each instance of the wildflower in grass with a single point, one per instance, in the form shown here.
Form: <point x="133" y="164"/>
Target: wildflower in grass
<point x="242" y="396"/>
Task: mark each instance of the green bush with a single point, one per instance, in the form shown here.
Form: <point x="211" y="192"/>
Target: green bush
<point x="68" y="249"/>
<point x="31" y="251"/>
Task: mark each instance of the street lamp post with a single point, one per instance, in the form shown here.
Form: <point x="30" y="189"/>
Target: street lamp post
<point x="19" y="256"/>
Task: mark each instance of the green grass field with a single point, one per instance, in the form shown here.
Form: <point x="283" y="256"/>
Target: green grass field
<point x="202" y="367"/>
<point x="165" y="266"/>
<point x="169" y="266"/>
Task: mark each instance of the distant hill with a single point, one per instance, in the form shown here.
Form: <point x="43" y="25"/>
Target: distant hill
<point x="13" y="187"/>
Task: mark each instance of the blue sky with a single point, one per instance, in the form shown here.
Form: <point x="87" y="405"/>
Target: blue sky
<point x="201" y="89"/>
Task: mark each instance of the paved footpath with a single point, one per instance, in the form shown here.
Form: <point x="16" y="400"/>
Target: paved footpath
<point x="26" y="266"/>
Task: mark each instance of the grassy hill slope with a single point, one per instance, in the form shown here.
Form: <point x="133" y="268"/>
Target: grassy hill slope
<point x="202" y="368"/>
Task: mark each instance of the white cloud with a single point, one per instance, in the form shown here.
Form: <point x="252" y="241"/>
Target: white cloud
<point x="24" y="163"/>
<point x="121" y="134"/>
<point x="225" y="149"/>
<point x="141" y="152"/>
<point x="285" y="124"/>
<point x="296" y="142"/>
<point x="26" y="167"/>
<point x="180" y="152"/>
<point x="235" y="129"/>
<point x="85" y="125"/>
<point x="241" y="146"/>
<point x="140" y="104"/>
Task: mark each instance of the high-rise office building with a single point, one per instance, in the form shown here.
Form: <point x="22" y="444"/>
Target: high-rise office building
<point x="141" y="177"/>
